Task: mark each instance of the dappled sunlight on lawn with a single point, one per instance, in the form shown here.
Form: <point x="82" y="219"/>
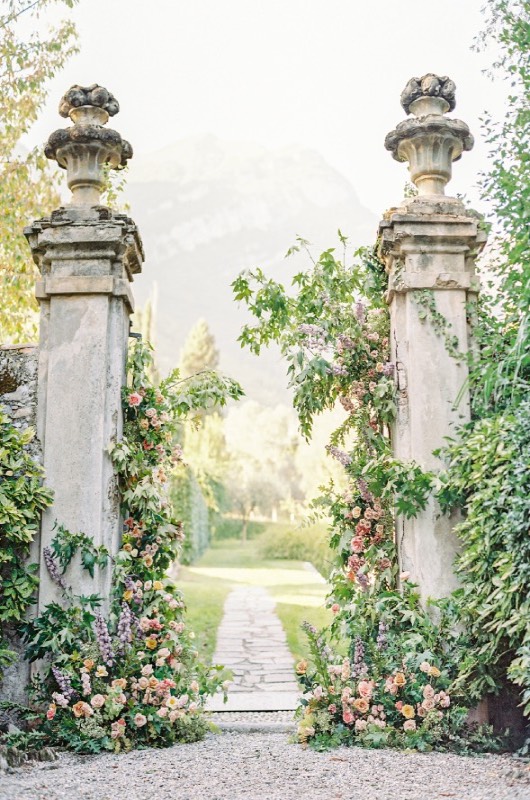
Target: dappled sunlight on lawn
<point x="305" y="600"/>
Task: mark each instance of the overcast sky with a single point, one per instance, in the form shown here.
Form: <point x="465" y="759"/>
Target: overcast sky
<point x="321" y="73"/>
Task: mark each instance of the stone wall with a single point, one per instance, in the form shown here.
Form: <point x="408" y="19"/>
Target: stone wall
<point x="18" y="397"/>
<point x="18" y="386"/>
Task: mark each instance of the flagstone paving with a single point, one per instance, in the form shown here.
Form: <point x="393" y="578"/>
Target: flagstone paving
<point x="251" y="643"/>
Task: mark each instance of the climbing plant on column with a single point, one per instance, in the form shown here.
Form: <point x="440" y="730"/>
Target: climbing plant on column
<point x="392" y="685"/>
<point x="130" y="677"/>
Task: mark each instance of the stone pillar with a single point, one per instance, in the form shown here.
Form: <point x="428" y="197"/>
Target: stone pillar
<point x="87" y="256"/>
<point x="429" y="245"/>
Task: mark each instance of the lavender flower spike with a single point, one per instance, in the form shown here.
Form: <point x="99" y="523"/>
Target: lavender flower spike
<point x="63" y="682"/>
<point x="53" y="569"/>
<point x="103" y="639"/>
<point x="124" y="627"/>
<point x="340" y="455"/>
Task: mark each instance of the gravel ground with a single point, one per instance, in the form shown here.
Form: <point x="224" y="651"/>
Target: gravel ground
<point x="234" y="766"/>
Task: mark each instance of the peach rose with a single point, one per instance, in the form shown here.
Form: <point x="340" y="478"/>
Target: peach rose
<point x="361" y="705"/>
<point x="399" y="679"/>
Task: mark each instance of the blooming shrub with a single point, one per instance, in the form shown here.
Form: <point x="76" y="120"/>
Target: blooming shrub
<point x="131" y="677"/>
<point x="376" y="697"/>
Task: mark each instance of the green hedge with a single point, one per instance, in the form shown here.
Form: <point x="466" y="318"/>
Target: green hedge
<point x="190" y="507"/>
<point x="230" y="528"/>
<point x="289" y="541"/>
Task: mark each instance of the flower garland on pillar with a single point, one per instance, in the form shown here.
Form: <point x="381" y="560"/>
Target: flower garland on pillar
<point x="131" y="678"/>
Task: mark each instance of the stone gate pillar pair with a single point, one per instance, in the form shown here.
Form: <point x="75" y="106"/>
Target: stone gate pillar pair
<point x="87" y="257"/>
<point x="429" y="245"/>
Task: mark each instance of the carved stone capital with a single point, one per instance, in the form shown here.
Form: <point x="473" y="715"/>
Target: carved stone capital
<point x="86" y="147"/>
<point x="429" y="142"/>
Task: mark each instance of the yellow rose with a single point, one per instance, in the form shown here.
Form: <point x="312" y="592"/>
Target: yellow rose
<point x="408" y="711"/>
<point x="399" y="679"/>
<point x="128" y="596"/>
<point x="158" y="586"/>
<point x="435" y="672"/>
<point x="151" y="643"/>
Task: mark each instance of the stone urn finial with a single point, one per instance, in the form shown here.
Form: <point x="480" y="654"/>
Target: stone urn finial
<point x="429" y="141"/>
<point x="84" y="148"/>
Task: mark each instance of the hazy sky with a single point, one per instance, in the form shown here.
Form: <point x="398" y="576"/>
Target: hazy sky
<point x="322" y="73"/>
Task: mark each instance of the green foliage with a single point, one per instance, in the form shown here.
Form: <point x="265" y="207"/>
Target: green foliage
<point x="489" y="476"/>
<point x="313" y="326"/>
<point x="22" y="499"/>
<point x="502" y="374"/>
<point x="29" y="62"/>
<point x="302" y="543"/>
<point x="65" y="545"/>
<point x="230" y="528"/>
<point x="191" y="508"/>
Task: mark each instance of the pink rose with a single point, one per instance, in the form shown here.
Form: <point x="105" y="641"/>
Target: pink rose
<point x="357" y="545"/>
<point x="335" y="608"/>
<point x="347" y="717"/>
<point x="51" y="711"/>
<point x="365" y="689"/>
<point x="135" y="399"/>
<point x="97" y="701"/>
<point x="360" y="724"/>
<point x="140" y="720"/>
<point x="409" y="725"/>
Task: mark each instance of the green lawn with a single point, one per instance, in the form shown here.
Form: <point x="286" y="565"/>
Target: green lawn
<point x="298" y="592"/>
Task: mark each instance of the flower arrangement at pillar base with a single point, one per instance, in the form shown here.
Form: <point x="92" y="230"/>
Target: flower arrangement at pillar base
<point x="376" y="697"/>
<point x="132" y="678"/>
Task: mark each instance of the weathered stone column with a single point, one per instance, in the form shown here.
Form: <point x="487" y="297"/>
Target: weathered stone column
<point x="87" y="256"/>
<point x="429" y="245"/>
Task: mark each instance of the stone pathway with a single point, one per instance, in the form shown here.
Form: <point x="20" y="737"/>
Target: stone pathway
<point x="251" y="642"/>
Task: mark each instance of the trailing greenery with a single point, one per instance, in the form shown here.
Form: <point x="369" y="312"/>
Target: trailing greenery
<point x="22" y="499"/>
<point x="131" y="676"/>
<point x="489" y="476"/>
